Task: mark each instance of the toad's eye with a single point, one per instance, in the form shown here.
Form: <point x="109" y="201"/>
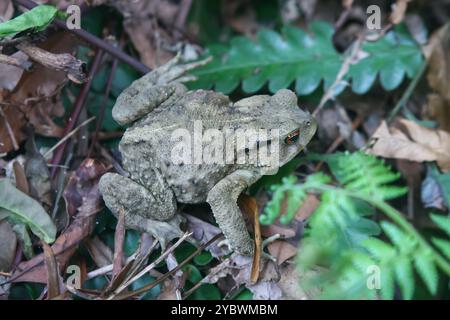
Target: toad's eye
<point x="292" y="137"/>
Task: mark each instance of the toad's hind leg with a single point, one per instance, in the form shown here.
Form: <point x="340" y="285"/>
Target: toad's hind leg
<point x="138" y="202"/>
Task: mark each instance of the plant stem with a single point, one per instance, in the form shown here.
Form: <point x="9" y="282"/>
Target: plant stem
<point x="398" y="218"/>
<point x="408" y="92"/>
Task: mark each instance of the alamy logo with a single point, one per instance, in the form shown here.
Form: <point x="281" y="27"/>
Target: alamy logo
<point x="73" y="20"/>
<point x="374" y="20"/>
<point x="259" y="147"/>
<point x="373" y="277"/>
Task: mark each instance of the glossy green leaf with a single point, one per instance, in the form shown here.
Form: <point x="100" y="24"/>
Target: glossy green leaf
<point x="24" y="209"/>
<point x="404" y="276"/>
<point x="36" y="19"/>
<point x="203" y="258"/>
<point x="442" y="221"/>
<point x="426" y="268"/>
<point x="307" y="60"/>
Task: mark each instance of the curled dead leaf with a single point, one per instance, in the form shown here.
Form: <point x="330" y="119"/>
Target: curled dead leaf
<point x="412" y="141"/>
<point x="438" y="76"/>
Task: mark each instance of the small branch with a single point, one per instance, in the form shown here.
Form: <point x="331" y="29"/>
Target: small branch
<point x="171" y="272"/>
<point x="345" y="67"/>
<point x="9" y="130"/>
<point x="60" y="62"/>
<point x="79" y="104"/>
<point x="101" y="112"/>
<point x="150" y="266"/>
<point x="93" y="40"/>
<point x="408" y="92"/>
<point x="119" y="237"/>
<point x="23" y="64"/>
<point x="70" y="134"/>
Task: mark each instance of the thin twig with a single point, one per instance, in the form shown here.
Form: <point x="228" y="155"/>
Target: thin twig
<point x="93" y="40"/>
<point x="119" y="237"/>
<point x="79" y="104"/>
<point x="73" y="67"/>
<point x="171" y="272"/>
<point x="150" y="266"/>
<point x="345" y="67"/>
<point x="101" y="112"/>
<point x="70" y="134"/>
<point x="408" y="92"/>
<point x="9" y="130"/>
<point x="106" y="269"/>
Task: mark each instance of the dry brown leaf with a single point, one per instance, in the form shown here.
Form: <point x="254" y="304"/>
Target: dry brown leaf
<point x="412" y="142"/>
<point x="51" y="266"/>
<point x="290" y="284"/>
<point x="282" y="250"/>
<point x="239" y="268"/>
<point x="285" y="231"/>
<point x="141" y="24"/>
<point x="307" y="208"/>
<point x="6" y="10"/>
<point x="438" y="76"/>
<point x="249" y="206"/>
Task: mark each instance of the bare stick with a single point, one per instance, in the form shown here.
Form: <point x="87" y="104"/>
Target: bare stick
<point x="171" y="272"/>
<point x="60" y="142"/>
<point x="93" y="40"/>
<point x="9" y="130"/>
<point x="60" y="62"/>
<point x="329" y="94"/>
<point x="150" y="266"/>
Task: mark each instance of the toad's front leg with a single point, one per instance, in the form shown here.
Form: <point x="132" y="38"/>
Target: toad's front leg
<point x="223" y="201"/>
<point x="162" y="85"/>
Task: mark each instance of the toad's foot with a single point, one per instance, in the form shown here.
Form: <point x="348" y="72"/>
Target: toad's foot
<point x="265" y="243"/>
<point x="173" y="71"/>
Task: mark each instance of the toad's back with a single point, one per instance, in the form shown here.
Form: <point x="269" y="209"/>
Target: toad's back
<point x="149" y="145"/>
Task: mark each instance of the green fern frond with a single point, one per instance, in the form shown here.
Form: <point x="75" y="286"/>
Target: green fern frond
<point x="443" y="245"/>
<point x="426" y="267"/>
<point x="405" y="276"/>
<point x="308" y="60"/>
<point x="442" y="222"/>
<point x="341" y="238"/>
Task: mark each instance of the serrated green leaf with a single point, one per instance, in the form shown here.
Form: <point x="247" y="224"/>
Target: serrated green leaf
<point x="279" y="59"/>
<point x="443" y="245"/>
<point x="426" y="268"/>
<point x="379" y="249"/>
<point x="26" y="210"/>
<point x="442" y="221"/>
<point x="404" y="276"/>
<point x="387" y="282"/>
<point x="394" y="233"/>
<point x="37" y="18"/>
